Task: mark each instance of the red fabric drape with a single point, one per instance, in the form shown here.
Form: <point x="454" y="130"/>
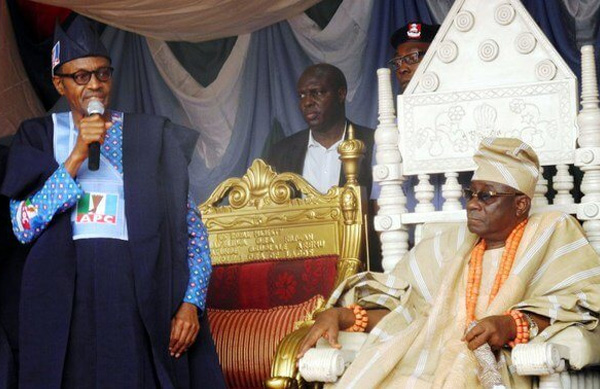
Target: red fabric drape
<point x="41" y="18"/>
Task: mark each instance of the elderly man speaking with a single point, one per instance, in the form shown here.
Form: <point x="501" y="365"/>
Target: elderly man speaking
<point x="511" y="275"/>
<point x="115" y="283"/>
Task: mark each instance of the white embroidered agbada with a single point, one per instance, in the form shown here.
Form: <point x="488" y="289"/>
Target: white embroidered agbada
<point x="556" y="274"/>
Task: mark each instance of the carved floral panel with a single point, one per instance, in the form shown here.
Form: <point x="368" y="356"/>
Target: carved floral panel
<point x="439" y="132"/>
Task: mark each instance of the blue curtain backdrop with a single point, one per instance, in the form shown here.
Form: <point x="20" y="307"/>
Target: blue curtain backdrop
<point x="268" y="106"/>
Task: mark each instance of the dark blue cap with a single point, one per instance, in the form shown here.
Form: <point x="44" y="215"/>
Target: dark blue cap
<point x="80" y="40"/>
<point x="414" y="32"/>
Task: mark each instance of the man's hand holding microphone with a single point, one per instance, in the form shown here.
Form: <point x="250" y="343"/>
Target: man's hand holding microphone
<point x="92" y="131"/>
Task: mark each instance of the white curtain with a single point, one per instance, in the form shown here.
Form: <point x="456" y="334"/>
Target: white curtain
<point x="210" y="110"/>
<point x="342" y="42"/>
<point x="185" y="20"/>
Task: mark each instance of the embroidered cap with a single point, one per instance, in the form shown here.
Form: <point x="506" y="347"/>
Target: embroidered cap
<point x="508" y="161"/>
<point x="414" y="32"/>
<point x="80" y="40"/>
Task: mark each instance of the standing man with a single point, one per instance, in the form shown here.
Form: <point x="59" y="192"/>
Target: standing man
<point x="411" y="42"/>
<point x="114" y="286"/>
<point x="313" y="152"/>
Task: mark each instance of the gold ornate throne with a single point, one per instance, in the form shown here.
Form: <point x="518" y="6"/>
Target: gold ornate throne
<point x="279" y="247"/>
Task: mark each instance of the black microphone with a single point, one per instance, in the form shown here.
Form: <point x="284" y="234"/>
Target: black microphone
<point x="94" y="107"/>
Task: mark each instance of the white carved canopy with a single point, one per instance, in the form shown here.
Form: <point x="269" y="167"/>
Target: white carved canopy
<point x="490" y="71"/>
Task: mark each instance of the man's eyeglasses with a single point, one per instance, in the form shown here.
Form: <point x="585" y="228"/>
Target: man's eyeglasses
<point x="486" y="196"/>
<point x="409" y="59"/>
<point x="82" y="77"/>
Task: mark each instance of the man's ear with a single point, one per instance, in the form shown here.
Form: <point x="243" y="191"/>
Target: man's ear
<point x="342" y="95"/>
<point x="58" y="85"/>
<point x="523" y="205"/>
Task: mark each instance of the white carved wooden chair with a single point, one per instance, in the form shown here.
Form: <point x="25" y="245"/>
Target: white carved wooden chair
<point x="491" y="72"/>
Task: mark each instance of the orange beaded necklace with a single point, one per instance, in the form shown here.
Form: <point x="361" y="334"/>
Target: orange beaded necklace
<point x="475" y="268"/>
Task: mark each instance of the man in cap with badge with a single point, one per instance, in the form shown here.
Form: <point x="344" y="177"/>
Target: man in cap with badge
<point x="501" y="279"/>
<point x="411" y="42"/>
<point x="114" y="286"/>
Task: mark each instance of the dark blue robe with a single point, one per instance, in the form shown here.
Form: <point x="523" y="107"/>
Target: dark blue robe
<point x="12" y="258"/>
<point x="74" y="290"/>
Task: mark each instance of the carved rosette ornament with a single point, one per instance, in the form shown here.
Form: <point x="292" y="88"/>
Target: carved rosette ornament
<point x="545" y="70"/>
<point x="504" y="14"/>
<point x="385" y="222"/>
<point x="525" y="43"/>
<point x="447" y="51"/>
<point x="430" y="82"/>
<point x="381" y="171"/>
<point x="591" y="210"/>
<point x="464" y="21"/>
<point x="488" y="50"/>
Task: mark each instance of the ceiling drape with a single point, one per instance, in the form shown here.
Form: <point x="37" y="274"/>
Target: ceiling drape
<point x="186" y="20"/>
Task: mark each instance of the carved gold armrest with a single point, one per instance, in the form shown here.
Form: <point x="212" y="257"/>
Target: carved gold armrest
<point x="284" y="372"/>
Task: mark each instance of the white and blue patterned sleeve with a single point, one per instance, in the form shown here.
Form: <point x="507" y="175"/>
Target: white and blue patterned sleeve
<point x="31" y="216"/>
<point x="198" y="259"/>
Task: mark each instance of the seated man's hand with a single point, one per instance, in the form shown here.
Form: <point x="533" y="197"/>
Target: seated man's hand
<point x="493" y="330"/>
<point x="184" y="329"/>
<point x="327" y="325"/>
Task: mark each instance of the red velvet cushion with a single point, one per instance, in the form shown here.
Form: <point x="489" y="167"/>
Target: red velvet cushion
<point x="246" y="340"/>
<point x="268" y="284"/>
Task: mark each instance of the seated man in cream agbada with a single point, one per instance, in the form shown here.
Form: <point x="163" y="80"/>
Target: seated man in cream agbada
<point x="517" y="276"/>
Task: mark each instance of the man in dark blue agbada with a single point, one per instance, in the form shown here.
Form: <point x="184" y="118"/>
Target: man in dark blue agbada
<point x="114" y="287"/>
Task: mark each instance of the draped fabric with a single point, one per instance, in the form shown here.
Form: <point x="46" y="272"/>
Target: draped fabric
<point x="584" y="16"/>
<point x="242" y="99"/>
<point x="211" y="19"/>
<point x="16" y="94"/>
<point x="342" y="42"/>
<point x="185" y="20"/>
<point x="212" y="109"/>
<point x="356" y="40"/>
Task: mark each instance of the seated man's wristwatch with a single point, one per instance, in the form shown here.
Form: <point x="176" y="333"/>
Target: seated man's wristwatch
<point x="533" y="327"/>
